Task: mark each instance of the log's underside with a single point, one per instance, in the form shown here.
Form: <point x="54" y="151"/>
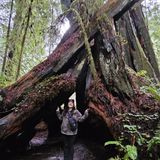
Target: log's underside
<point x="114" y="98"/>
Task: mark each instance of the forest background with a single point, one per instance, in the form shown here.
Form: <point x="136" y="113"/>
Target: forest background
<point x="29" y="32"/>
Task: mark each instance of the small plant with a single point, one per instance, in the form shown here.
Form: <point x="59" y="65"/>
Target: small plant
<point x="152" y="88"/>
<point x="153" y="146"/>
<point x="153" y="142"/>
<point x="142" y="73"/>
<point x="132" y="129"/>
<point x="130" y="151"/>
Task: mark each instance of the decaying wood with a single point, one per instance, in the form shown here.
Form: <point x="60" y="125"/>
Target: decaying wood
<point x="135" y="55"/>
<point x="114" y="97"/>
<point x="144" y="38"/>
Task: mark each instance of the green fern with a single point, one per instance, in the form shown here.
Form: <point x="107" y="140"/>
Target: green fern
<point x="152" y="88"/>
<point x="117" y="143"/>
<point x="154" y="141"/>
<point x="130" y="151"/>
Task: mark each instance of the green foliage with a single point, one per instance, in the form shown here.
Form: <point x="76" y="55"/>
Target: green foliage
<point x="130" y="151"/>
<point x="35" y="50"/>
<point x="152" y="88"/>
<point x="117" y="143"/>
<point x="154" y="141"/>
<point x="142" y="73"/>
<point x="132" y="129"/>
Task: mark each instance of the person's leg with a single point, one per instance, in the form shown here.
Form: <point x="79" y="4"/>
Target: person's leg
<point x="66" y="147"/>
<point x="71" y="146"/>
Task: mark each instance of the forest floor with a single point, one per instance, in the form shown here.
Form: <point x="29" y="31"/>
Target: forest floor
<point x="52" y="149"/>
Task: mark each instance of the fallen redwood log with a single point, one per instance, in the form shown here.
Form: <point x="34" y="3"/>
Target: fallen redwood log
<point x="112" y="97"/>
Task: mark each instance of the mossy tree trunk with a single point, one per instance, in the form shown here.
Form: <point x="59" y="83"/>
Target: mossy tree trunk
<point x="144" y="37"/>
<point x="139" y="53"/>
<point x="114" y="96"/>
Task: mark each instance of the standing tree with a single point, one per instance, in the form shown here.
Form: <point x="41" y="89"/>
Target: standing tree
<point x="7" y="37"/>
<point x="27" y="36"/>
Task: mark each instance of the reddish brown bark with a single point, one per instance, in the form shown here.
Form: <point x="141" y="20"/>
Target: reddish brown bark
<point x="112" y="97"/>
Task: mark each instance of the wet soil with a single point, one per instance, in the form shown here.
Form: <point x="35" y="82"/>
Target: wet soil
<point x="52" y="149"/>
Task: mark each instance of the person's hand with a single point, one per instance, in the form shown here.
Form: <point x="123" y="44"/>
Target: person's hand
<point x="62" y="107"/>
<point x="57" y="109"/>
<point x="86" y="112"/>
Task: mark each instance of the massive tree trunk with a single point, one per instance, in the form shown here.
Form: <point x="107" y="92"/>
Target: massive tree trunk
<point x="144" y="38"/>
<point x="114" y="96"/>
<point x="139" y="53"/>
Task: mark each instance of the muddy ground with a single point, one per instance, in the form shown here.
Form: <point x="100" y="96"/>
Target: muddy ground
<point x="52" y="149"/>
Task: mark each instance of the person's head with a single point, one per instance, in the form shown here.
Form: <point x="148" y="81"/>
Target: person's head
<point x="70" y="105"/>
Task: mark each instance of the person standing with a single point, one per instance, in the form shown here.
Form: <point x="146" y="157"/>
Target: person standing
<point x="69" y="132"/>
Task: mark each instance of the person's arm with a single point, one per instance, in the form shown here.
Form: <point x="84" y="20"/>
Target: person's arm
<point x="59" y="115"/>
<point x="79" y="117"/>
